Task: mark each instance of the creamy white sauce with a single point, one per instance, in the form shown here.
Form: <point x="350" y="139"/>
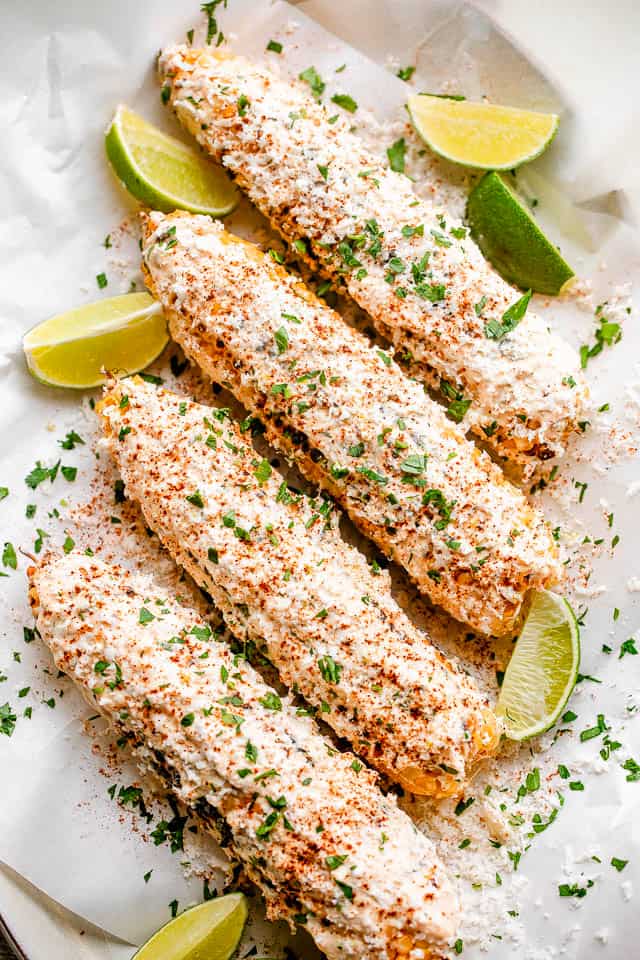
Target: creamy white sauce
<point x="287" y="355"/>
<point x="286" y="580"/>
<point x="166" y="686"/>
<point x="317" y="181"/>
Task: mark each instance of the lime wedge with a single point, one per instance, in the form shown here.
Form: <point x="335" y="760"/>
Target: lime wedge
<point x="511" y="240"/>
<point x="121" y="334"/>
<point x="481" y="135"/>
<point x="210" y="931"/>
<point x="164" y="172"/>
<point x="543" y="669"/>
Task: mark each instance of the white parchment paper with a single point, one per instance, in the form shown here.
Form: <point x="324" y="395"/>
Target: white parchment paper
<point x="65" y="66"/>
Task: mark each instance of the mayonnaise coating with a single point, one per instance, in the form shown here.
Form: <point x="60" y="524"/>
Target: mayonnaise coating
<point x="308" y="823"/>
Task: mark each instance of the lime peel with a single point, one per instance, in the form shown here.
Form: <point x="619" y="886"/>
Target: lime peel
<point x="512" y="241"/>
<point x="485" y="136"/>
<point x="543" y="669"/>
<point x="124" y="333"/>
<point x="210" y="931"/>
<point x="163" y="172"/>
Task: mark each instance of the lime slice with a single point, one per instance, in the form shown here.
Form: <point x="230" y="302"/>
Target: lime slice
<point x="511" y="240"/>
<point x="164" y="172"/>
<point x="210" y="931"/>
<point x="121" y="334"/>
<point x="482" y="135"/>
<point x="543" y="669"/>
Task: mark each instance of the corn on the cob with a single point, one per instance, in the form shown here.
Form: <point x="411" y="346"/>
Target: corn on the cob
<point x="423" y="281"/>
<point x="308" y="823"/>
<point x="285" y="580"/>
<point x="407" y="476"/>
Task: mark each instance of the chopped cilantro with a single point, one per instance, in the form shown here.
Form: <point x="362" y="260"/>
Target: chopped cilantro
<point x="396" y="155"/>
<point x="263" y="471"/>
<point x="628" y="646"/>
<point x="212" y="28"/>
<point x="373" y="476"/>
<point x="591" y="732"/>
<point x="281" y="338"/>
<point x="440" y="238"/>
<point x="7" y="720"/>
<point x="145" y="616"/>
<point x="345" y="101"/>
<point x="408" y="231"/>
<point x="573" y="889"/>
<point x="463" y="805"/>
<point x="497" y="329"/>
<point x="271" y="701"/>
<point x="335" y="861"/>
<point x="71" y="440"/>
<point x="346" y="889"/>
<point x="479" y="306"/>
<point x="405" y="73"/>
<point x="607" y="334"/>
<point x="329" y="669"/>
<point x="281" y="388"/>
<point x="9" y="558"/>
<point x="442" y="505"/>
<point x="315" y="81"/>
<point x="414" y="465"/>
<point x="39" y="474"/>
<point x="434" y="292"/>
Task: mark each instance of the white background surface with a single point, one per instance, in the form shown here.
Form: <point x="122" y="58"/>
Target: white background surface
<point x="65" y="66"/>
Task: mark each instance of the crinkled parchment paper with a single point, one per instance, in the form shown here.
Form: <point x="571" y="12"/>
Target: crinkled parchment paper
<point x="65" y="66"/>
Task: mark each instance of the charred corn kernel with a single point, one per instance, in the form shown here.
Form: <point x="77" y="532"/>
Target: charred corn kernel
<point x="312" y="831"/>
<point x="353" y="422"/>
<point x="284" y="579"/>
<point x="412" y="267"/>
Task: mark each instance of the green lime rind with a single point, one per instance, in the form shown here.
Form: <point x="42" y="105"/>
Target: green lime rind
<point x="165" y="157"/>
<point x="512" y="241"/>
<point x="543" y="669"/>
<point x="210" y="931"/>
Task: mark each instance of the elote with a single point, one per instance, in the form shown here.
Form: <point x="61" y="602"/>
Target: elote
<point x="353" y="422"/>
<point x="413" y="268"/>
<point x="284" y="580"/>
<point x="308" y="824"/>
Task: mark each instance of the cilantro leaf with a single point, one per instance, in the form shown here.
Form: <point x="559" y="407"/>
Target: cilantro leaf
<point x="497" y="329"/>
<point x="345" y="101"/>
<point x="396" y="155"/>
<point x="315" y="81"/>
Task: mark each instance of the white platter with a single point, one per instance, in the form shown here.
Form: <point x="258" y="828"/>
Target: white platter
<point x="42" y="930"/>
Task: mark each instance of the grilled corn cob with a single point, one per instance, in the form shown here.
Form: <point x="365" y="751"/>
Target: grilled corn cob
<point x="285" y="580"/>
<point x="308" y="823"/>
<point x="407" y="476"/>
<point x="423" y="281"/>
